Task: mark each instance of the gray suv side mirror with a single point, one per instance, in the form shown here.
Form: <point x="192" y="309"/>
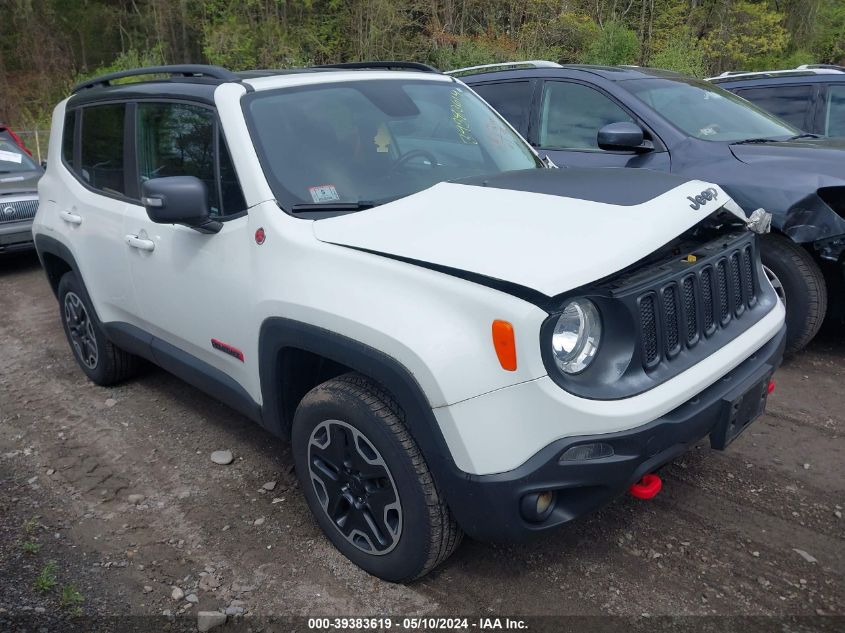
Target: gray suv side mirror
<point x="623" y="136"/>
<point x="179" y="200"/>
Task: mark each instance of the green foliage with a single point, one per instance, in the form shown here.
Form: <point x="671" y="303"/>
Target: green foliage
<point x="615" y="44"/>
<point x="683" y="54"/>
<point x="30" y="525"/>
<point x="70" y="598"/>
<point x="47" y="45"/>
<point x="30" y="547"/>
<point x="47" y="578"/>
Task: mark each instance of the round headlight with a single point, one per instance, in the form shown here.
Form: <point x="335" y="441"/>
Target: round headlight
<point x="575" y="339"/>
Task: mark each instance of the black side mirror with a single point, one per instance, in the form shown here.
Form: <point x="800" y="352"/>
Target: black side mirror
<point x="623" y="136"/>
<point x="179" y="200"/>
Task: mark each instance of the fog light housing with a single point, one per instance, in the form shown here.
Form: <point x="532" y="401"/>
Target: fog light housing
<point x="595" y="450"/>
<point x="537" y="506"/>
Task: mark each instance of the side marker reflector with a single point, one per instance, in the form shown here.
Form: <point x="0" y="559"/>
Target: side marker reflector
<point x="647" y="487"/>
<point x="771" y="386"/>
<point x="505" y="344"/>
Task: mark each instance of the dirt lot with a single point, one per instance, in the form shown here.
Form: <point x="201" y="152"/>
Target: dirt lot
<point x="720" y="539"/>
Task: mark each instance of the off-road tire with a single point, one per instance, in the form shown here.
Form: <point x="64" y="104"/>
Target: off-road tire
<point x="429" y="533"/>
<point x="804" y="288"/>
<point x="113" y="365"/>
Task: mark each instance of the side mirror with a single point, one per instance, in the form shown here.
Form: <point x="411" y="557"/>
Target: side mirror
<point x="623" y="136"/>
<point x="44" y="165"/>
<point x="179" y="200"/>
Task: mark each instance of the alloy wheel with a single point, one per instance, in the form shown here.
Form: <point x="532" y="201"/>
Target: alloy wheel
<point x="355" y="487"/>
<point x="776" y="283"/>
<point x="81" y="330"/>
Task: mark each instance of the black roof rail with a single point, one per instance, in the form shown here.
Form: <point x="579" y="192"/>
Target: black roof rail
<point x="184" y="70"/>
<point x="388" y="65"/>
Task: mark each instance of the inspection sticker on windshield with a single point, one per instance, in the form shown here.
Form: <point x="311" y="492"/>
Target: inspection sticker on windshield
<point x="9" y="157"/>
<point x="324" y="193"/>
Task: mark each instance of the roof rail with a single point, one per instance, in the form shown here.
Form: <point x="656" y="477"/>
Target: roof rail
<point x="821" y="67"/>
<point x="536" y="63"/>
<point x="184" y="70"/>
<point x="425" y="68"/>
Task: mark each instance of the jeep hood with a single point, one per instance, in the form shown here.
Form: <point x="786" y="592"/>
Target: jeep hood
<point x="547" y="230"/>
<point x="823" y="156"/>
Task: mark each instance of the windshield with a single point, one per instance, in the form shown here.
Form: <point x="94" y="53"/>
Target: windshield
<point x="12" y="157"/>
<point x="372" y="141"/>
<point x="707" y="112"/>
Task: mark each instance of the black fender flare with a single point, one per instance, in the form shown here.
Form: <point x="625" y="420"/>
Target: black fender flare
<point x="279" y="333"/>
<point x="46" y="245"/>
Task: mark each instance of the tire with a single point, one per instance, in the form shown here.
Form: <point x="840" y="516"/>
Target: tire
<point x="102" y="361"/>
<point x="799" y="282"/>
<point x="350" y="423"/>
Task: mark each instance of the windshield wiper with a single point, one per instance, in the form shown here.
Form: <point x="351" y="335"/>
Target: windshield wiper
<point x="751" y="141"/>
<point x="800" y="136"/>
<point x="305" y="207"/>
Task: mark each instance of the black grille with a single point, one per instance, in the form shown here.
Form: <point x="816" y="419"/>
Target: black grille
<point x="17" y="210"/>
<point x="689" y="308"/>
<point x="682" y="311"/>
<point x="648" y="324"/>
<point x="670" y="311"/>
<point x="748" y="276"/>
<point x="722" y="285"/>
<point x="707" y="299"/>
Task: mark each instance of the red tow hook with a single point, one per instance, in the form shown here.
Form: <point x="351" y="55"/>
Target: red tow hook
<point x="647" y="487"/>
<point x="771" y="387"/>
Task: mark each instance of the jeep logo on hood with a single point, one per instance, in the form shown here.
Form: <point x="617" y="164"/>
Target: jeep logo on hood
<point x="703" y="198"/>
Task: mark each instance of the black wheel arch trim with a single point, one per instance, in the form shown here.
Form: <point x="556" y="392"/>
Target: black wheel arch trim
<point x="279" y="333"/>
<point x="46" y="245"/>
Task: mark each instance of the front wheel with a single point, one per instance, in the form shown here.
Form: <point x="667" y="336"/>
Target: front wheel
<point x="799" y="283"/>
<point x="367" y="483"/>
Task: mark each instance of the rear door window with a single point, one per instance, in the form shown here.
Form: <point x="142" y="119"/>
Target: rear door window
<point x="835" y="115"/>
<point x="790" y="103"/>
<point x="572" y="114"/>
<point x="511" y="99"/>
<point x="101" y="164"/>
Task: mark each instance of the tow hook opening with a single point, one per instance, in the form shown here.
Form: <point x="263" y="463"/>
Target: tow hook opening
<point x="647" y="487"/>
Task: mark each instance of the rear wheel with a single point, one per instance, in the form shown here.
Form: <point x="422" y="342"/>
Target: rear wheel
<point x="799" y="283"/>
<point x="367" y="483"/>
<point x="102" y="361"/>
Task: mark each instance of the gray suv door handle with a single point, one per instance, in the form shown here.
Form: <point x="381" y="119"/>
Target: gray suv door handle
<point x="71" y="218"/>
<point x="141" y="244"/>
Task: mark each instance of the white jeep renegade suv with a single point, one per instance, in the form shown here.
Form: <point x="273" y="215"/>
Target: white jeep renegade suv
<point x="371" y="262"/>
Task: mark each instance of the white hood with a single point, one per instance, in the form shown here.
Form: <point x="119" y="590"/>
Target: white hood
<point x="548" y="243"/>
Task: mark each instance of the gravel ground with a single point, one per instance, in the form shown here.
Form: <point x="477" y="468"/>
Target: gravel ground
<point x="116" y="488"/>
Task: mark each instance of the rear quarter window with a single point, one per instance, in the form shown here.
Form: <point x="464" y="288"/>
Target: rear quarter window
<point x="790" y="103"/>
<point x="101" y="151"/>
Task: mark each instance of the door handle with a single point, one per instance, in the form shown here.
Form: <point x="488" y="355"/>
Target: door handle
<point x="71" y="218"/>
<point x="141" y="244"/>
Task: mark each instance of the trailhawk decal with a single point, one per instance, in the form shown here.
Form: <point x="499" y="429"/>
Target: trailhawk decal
<point x="703" y="198"/>
<point x="234" y="352"/>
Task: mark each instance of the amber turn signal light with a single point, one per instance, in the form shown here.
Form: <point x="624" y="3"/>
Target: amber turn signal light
<point x="505" y="344"/>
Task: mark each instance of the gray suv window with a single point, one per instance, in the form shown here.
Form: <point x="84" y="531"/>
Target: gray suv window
<point x="511" y="99"/>
<point x="835" y="116"/>
<point x="571" y="116"/>
<point x="790" y="103"/>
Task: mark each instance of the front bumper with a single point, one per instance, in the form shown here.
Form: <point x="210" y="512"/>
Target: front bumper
<point x="488" y="506"/>
<point x="16" y="236"/>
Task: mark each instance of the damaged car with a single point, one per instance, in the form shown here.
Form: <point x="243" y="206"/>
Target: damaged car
<point x="597" y="116"/>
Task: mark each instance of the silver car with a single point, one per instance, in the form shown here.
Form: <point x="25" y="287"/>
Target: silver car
<point x="19" y="175"/>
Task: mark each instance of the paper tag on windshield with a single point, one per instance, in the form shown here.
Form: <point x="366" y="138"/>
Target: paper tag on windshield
<point x="10" y="157"/>
<point x="324" y="193"/>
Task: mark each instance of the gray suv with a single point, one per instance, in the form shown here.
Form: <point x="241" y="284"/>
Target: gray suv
<point x="19" y="175"/>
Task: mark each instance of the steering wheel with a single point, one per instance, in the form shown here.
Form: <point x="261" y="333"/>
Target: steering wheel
<point x="414" y="153"/>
